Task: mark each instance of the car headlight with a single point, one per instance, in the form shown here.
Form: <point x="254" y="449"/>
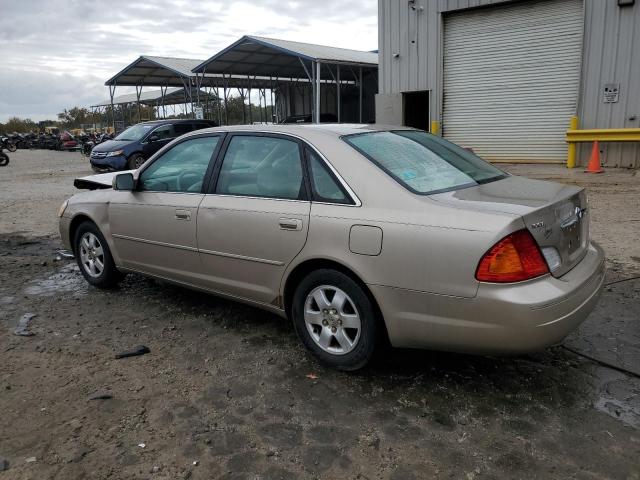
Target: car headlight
<point x="62" y="208"/>
<point x="116" y="153"/>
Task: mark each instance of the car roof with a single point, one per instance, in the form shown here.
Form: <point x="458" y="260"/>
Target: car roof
<point x="330" y="129"/>
<point x="175" y="120"/>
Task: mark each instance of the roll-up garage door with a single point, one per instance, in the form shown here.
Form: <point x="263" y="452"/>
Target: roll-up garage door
<point x="511" y="78"/>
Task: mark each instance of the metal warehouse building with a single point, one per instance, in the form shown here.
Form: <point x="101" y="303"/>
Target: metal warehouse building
<point x="505" y="77"/>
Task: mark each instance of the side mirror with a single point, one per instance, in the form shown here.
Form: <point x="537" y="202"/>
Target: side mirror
<point x="154" y="138"/>
<point x="124" y="181"/>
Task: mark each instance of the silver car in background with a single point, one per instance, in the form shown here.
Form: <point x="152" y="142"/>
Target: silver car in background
<point x="356" y="233"/>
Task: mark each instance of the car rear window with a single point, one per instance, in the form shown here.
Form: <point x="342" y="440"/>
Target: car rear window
<point x="424" y="163"/>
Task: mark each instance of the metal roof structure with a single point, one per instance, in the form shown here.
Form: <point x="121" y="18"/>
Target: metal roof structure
<point x="271" y="57"/>
<point x="177" y="72"/>
<point x="252" y="62"/>
<point x="170" y="96"/>
<point x="149" y="70"/>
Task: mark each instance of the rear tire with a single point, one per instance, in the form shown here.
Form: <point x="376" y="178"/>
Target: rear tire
<point x="335" y="319"/>
<point x="135" y="161"/>
<point x="94" y="257"/>
<point x="4" y="159"/>
<point x="11" y="147"/>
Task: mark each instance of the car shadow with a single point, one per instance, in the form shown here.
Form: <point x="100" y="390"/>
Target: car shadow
<point x="553" y="378"/>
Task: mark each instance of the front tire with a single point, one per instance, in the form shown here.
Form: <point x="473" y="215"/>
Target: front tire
<point x="94" y="257"/>
<point x="335" y="319"/>
<point x="4" y="159"/>
<point x="135" y="161"/>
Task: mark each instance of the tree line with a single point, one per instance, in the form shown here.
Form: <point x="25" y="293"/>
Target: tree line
<point x="76" y="117"/>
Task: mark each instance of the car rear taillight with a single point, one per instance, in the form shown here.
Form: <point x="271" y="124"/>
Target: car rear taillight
<point x="515" y="258"/>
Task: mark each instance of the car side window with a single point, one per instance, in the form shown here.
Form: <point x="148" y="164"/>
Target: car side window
<point x="262" y="166"/>
<point x="164" y="132"/>
<point x="324" y="185"/>
<point x="180" y="169"/>
<point x="182" y="128"/>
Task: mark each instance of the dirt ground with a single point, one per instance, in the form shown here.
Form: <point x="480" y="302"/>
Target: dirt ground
<point x="228" y="392"/>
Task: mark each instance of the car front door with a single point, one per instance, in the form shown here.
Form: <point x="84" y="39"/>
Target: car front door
<point x="157" y="139"/>
<point x="154" y="227"/>
<point x="255" y="219"/>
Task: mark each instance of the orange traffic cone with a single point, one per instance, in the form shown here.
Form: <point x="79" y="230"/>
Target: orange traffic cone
<point x="594" y="161"/>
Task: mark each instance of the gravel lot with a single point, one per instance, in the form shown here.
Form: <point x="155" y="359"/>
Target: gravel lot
<point x="228" y="392"/>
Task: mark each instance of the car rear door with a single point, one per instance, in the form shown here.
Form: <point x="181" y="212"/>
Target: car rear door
<point x="255" y="219"/>
<point x="154" y="227"/>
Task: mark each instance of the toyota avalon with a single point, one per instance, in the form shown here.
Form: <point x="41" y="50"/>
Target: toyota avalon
<point x="356" y="233"/>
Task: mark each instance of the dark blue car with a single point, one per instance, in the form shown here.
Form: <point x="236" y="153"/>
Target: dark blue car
<point x="136" y="144"/>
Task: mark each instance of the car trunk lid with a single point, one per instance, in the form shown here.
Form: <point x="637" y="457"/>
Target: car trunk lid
<point x="556" y="215"/>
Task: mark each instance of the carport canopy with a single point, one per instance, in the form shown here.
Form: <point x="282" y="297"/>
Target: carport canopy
<point x="254" y="56"/>
<point x="171" y="72"/>
<point x="271" y="57"/>
<point x="154" y="71"/>
<point x="172" y="96"/>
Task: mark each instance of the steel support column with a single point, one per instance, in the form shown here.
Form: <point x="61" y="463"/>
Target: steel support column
<point x="112" y="91"/>
<point x="271" y="95"/>
<point x="318" y="92"/>
<point x="338" y="89"/>
<point x="224" y="91"/>
<point x="217" y="90"/>
<point x="138" y="93"/>
<point x="360" y="95"/>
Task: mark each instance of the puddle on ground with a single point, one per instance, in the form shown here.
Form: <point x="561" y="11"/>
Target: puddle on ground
<point x="618" y="396"/>
<point x="67" y="280"/>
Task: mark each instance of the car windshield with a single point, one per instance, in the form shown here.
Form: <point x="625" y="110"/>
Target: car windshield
<point x="135" y="132"/>
<point x="424" y="163"/>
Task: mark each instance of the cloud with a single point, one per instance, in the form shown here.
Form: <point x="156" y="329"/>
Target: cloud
<point x="57" y="54"/>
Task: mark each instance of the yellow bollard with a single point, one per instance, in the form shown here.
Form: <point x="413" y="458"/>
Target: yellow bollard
<point x="571" y="154"/>
<point x="435" y="127"/>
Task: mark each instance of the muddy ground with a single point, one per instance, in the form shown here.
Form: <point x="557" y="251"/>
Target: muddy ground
<point x="228" y="392"/>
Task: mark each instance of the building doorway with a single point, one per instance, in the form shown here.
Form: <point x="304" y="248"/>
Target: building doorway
<point x="415" y="109"/>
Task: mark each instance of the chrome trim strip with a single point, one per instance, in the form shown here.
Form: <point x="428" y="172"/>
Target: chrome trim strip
<point x="153" y="242"/>
<point x="165" y="191"/>
<point x="192" y="249"/>
<point x="252" y="198"/>
<point x="242" y="257"/>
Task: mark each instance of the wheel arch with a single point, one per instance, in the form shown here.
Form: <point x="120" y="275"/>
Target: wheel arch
<point x="137" y="152"/>
<point x="76" y="221"/>
<point x="310" y="265"/>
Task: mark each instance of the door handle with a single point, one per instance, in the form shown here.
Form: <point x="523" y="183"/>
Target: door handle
<point x="182" y="214"/>
<point x="290" y="224"/>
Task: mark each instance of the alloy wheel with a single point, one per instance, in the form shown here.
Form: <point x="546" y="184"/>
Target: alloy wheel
<point x="91" y="254"/>
<point x="332" y="320"/>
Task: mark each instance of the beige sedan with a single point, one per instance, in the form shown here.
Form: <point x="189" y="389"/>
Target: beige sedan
<point x="358" y="234"/>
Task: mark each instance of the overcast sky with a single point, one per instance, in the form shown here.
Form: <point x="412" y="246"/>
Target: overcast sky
<point x="56" y="54"/>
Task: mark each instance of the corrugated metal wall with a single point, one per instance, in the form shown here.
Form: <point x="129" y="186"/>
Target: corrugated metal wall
<point x="611" y="55"/>
<point x="410" y="43"/>
<point x="511" y="77"/>
<point x="416" y="35"/>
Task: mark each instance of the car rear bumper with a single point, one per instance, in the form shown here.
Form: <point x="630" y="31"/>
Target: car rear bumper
<point x="508" y="319"/>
